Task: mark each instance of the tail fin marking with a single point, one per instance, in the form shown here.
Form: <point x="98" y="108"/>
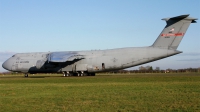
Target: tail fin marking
<point x="173" y="32"/>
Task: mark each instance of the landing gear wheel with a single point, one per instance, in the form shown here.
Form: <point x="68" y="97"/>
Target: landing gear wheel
<point x="78" y="74"/>
<point x="70" y="74"/>
<point x="25" y="75"/>
<point x="83" y="73"/>
<point x="64" y="74"/>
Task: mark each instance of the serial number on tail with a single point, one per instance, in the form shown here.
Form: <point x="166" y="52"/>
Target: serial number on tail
<point x="175" y="34"/>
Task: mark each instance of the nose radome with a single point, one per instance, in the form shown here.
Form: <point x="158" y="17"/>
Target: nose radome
<point x="7" y="65"/>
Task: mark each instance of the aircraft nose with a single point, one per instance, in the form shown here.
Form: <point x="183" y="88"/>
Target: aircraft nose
<point x="7" y="64"/>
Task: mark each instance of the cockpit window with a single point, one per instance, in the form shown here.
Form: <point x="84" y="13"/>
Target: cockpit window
<point x="13" y="56"/>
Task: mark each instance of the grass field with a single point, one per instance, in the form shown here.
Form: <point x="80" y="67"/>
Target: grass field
<point x="101" y="93"/>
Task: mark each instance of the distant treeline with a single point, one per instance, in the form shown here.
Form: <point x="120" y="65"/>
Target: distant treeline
<point x="159" y="71"/>
<point x="187" y="70"/>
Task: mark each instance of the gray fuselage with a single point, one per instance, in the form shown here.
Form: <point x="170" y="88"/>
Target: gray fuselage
<point x="93" y="61"/>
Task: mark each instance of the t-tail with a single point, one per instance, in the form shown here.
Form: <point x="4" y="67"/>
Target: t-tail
<point x="173" y="32"/>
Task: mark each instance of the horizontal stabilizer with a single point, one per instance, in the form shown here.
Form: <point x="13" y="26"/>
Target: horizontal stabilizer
<point x="185" y="17"/>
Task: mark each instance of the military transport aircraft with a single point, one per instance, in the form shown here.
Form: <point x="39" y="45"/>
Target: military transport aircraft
<point x="87" y="63"/>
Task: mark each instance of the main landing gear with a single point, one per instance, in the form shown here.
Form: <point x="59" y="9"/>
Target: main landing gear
<point x="78" y="73"/>
<point x="82" y="74"/>
<point x="67" y="74"/>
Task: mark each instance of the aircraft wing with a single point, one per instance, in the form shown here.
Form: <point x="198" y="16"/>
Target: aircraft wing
<point x="64" y="56"/>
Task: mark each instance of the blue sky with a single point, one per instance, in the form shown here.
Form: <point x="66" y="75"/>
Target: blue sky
<point x="70" y="25"/>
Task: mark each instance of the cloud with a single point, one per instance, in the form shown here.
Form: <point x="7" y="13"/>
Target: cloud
<point x="189" y="60"/>
<point x="3" y="57"/>
<point x="190" y="54"/>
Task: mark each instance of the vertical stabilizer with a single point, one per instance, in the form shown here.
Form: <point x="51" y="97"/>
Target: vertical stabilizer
<point x="173" y="32"/>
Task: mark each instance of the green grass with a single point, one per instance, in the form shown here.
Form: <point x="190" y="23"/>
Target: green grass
<point x="103" y="93"/>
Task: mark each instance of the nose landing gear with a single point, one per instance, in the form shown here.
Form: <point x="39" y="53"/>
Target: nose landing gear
<point x="78" y="73"/>
<point x="25" y="75"/>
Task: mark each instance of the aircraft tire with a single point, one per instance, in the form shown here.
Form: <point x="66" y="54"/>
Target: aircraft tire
<point x="70" y="74"/>
<point x="64" y="74"/>
<point x="25" y="75"/>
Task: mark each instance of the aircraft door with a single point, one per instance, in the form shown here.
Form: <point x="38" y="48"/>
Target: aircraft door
<point x="103" y="66"/>
<point x="74" y="68"/>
